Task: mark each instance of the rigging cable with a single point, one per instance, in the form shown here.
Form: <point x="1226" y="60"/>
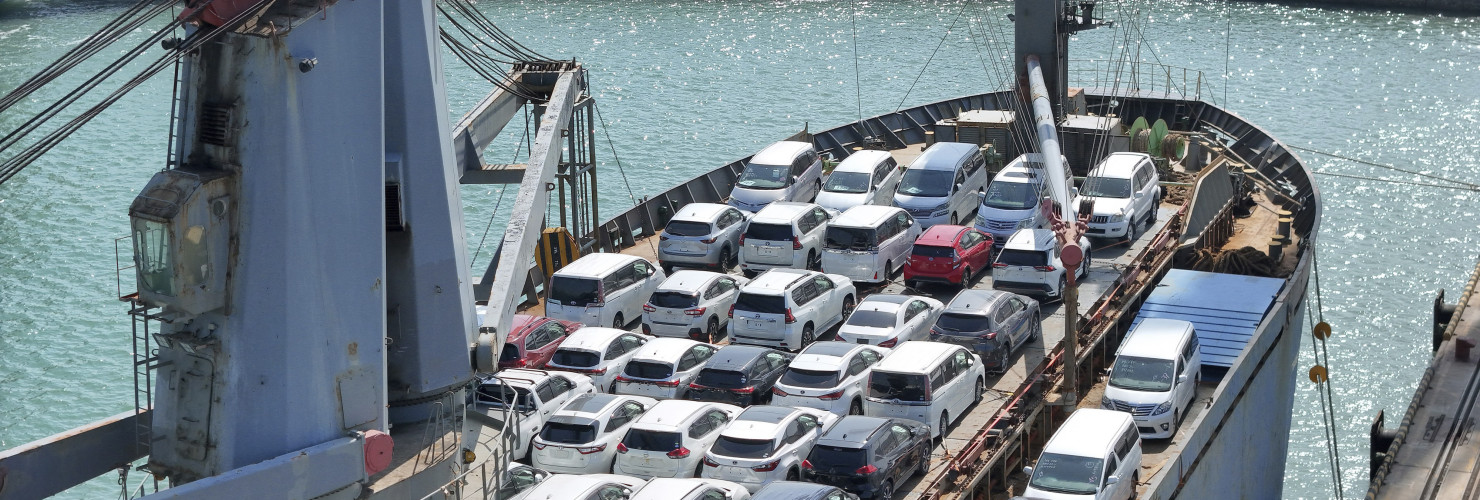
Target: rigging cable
<point x="1470" y="185"/>
<point x="943" y="37"/>
<point x="630" y="194"/>
<point x="1227" y="47"/>
<point x="857" y="76"/>
<point x="1328" y="401"/>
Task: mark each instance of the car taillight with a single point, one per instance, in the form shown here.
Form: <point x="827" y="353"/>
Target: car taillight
<point x="621" y="448"/>
<point x="789" y="318"/>
<point x="732" y="311"/>
<point x="876" y="275"/>
<point x="707" y="241"/>
<point x="867" y="469"/>
<point x="1044" y="268"/>
<point x="744" y="390"/>
<point x="647" y="329"/>
<point x="667" y="383"/>
<point x="623" y="378"/>
<point x="742" y="238"/>
<point x="989" y="336"/>
<point x="807" y="464"/>
<point x="697" y="311"/>
<point x="796" y="244"/>
<point x="591" y="449"/>
<point x="708" y="462"/>
<point x="681" y="452"/>
<point x="777" y="391"/>
<point x="649" y="308"/>
<point x="831" y="396"/>
<point x="539" y="445"/>
<point x="999" y="265"/>
<point x="521" y="362"/>
<point x="592" y="371"/>
<point x="695" y="386"/>
<point x="889" y="343"/>
<point x="767" y="467"/>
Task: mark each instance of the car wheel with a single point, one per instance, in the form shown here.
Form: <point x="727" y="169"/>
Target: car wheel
<point x="713" y="329"/>
<point x="814" y="262"/>
<point x="888" y="269"/>
<point x="981" y="388"/>
<point x="667" y="268"/>
<point x="1003" y="358"/>
<point x="724" y="258"/>
<point x="792" y="475"/>
<point x="954" y="218"/>
<point x="966" y="278"/>
<point x="1063" y="285"/>
<point x="945" y="420"/>
<point x="847" y="305"/>
<point x="816" y="189"/>
<point x="807" y="336"/>
<point x="1037" y="328"/>
<point x="1084" y="266"/>
<point x="1132" y="230"/>
<point x="888" y="492"/>
<point x="924" y="462"/>
<point x="856" y="408"/>
<point x="617" y="322"/>
<point x="699" y="469"/>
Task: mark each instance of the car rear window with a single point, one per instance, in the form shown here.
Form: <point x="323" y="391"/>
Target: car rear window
<point x="676" y="300"/>
<point x="849" y="238"/>
<point x="724" y="379"/>
<point x="872" y="319"/>
<point x="837" y="459"/>
<point x="561" y="432"/>
<point x="1022" y="258"/>
<point x="648" y="369"/>
<point x="499" y="396"/>
<point x="646" y="440"/>
<point x="933" y="251"/>
<point x="510" y="353"/>
<point x="909" y="387"/>
<point x="768" y="304"/>
<point x="687" y="228"/>
<point x="570" y="291"/>
<point x="768" y="232"/>
<point x="961" y="322"/>
<point x="742" y="448"/>
<point x="578" y="359"/>
<point x="812" y="379"/>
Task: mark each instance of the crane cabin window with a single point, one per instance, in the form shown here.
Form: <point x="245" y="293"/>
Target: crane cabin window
<point x="152" y="256"/>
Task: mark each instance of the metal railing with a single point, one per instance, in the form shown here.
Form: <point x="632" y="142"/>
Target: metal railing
<point x="1144" y="79"/>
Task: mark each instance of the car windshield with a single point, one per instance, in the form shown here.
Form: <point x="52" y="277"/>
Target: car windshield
<point x="933" y="251"/>
<point x="812" y="379"/>
<point x="724" y="379"/>
<point x="837" y="458"/>
<point x="759" y="176"/>
<point x="921" y="182"/>
<point x="687" y="228"/>
<point x="847" y="182"/>
<point x="1067" y="474"/>
<point x="1022" y="258"/>
<point x="742" y="448"/>
<point x="958" y="322"/>
<point x="648" y="369"/>
<point x="912" y="387"/>
<point x="498" y="395"/>
<point x="574" y="291"/>
<point x="871" y="319"/>
<point x="849" y="238"/>
<point x="768" y="232"/>
<point x="767" y="304"/>
<point x="1106" y="187"/>
<point x="1011" y="196"/>
<point x="643" y="439"/>
<point x="575" y="358"/>
<point x="1141" y="374"/>
<point x="568" y="433"/>
<point x="675" y="300"/>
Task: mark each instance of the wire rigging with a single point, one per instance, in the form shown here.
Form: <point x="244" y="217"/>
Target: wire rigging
<point x="943" y="37"/>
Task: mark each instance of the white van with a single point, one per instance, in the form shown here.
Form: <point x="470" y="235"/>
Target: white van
<point x="602" y="289"/>
<point x="1096" y="455"/>
<point x="1155" y="375"/>
<point x="869" y="243"/>
<point x="1030" y="264"/>
<point x="784" y="171"/>
<point x="941" y="185"/>
<point x="1014" y="199"/>
<point x="863" y="178"/>
<point x="929" y="382"/>
<point x="784" y="234"/>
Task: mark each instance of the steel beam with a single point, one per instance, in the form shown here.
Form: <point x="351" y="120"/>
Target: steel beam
<point x="477" y="129"/>
<point x="336" y="467"/>
<point x="50" y="465"/>
<point x="527" y="216"/>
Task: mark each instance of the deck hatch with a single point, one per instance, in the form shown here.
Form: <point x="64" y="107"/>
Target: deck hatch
<point x="1225" y="308"/>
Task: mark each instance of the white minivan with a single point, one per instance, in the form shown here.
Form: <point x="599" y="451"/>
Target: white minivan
<point x="602" y="289"/>
<point x="784" y="171"/>
<point x="941" y="185"/>
<point x="869" y="243"/>
<point x="929" y="382"/>
<point x="1095" y="454"/>
<point x="1014" y="199"/>
<point x="863" y="178"/>
<point x="1155" y="375"/>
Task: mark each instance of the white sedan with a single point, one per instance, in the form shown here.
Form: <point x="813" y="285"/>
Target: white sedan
<point x="886" y="320"/>
<point x="829" y="376"/>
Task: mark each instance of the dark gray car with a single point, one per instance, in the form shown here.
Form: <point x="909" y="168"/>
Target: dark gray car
<point x="793" y="490"/>
<point x="869" y="456"/>
<point x="992" y="323"/>
<point x="739" y="375"/>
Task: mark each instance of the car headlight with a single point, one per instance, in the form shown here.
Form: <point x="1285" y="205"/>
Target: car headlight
<point x="981" y="220"/>
<point x="940" y="209"/>
<point x="1162" y="408"/>
<point x="1023" y="224"/>
<point x="1107" y="403"/>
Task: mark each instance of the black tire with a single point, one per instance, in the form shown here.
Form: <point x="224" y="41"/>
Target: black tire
<point x="1003" y="358"/>
<point x="888" y="269"/>
<point x="618" y="323"/>
<point x="814" y="261"/>
<point x="954" y="219"/>
<point x="966" y="277"/>
<point x="712" y="332"/>
<point x="848" y="305"/>
<point x="816" y="189"/>
<point x="1132" y="230"/>
<point x="808" y="336"/>
<point x="945" y="426"/>
<point x="981" y="389"/>
<point x="924" y="467"/>
<point x="792" y="475"/>
<point x="1088" y="259"/>
<point x="1037" y="328"/>
<point x="724" y="258"/>
<point x="856" y="408"/>
<point x="1063" y="285"/>
<point x="699" y="469"/>
<point x="887" y="492"/>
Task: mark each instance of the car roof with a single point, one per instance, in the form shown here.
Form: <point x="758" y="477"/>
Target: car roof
<point x="595" y="265"/>
<point x="976" y="302"/>
<point x="1030" y="239"/>
<point x="587" y="405"/>
<point x="758" y="422"/>
<point x="781" y="212"/>
<point x="865" y="216"/>
<point x="568" y="484"/>
<point x="851" y="431"/>
<point x="1088" y="432"/>
<point x="766" y="414"/>
<point x="791" y="490"/>
<point x="665" y="349"/>
<point x="670" y="414"/>
<point x="1118" y="165"/>
<point x="943" y="156"/>
<point x="668" y="488"/>
<point x="700" y="212"/>
<point x="688" y="280"/>
<point x="838" y="349"/>
<point x="914" y="356"/>
<point x="520" y="377"/>
<point x="862" y="161"/>
<point x="592" y="338"/>
<point x="781" y="152"/>
<point x="735" y="356"/>
<point x="523" y="324"/>
<point x="1158" y="338"/>
<point x="940" y="235"/>
<point x="1024" y="168"/>
<point x="885" y="301"/>
<point x="775" y="281"/>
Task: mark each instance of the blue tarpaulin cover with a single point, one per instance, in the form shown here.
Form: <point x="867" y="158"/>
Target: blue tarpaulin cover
<point x="1225" y="309"/>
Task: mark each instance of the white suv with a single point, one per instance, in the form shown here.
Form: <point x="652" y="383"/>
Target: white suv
<point x="765" y="444"/>
<point x="829" y="376"/>
<point x="1125" y="191"/>
<point x="533" y="395"/>
<point x="582" y="437"/>
<point x="1030" y="264"/>
<point x="788" y="308"/>
<point x="783" y="234"/>
<point x="670" y="440"/>
<point x="600" y="353"/>
<point x="691" y="304"/>
<point x="663" y="368"/>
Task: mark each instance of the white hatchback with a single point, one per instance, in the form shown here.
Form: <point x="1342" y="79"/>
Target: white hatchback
<point x="582" y="437"/>
<point x="670" y="440"/>
<point x="663" y="368"/>
<point x="690" y="489"/>
<point x="600" y="353"/>
<point x="829" y="376"/>
<point x="765" y="444"/>
<point x="887" y="320"/>
<point x="691" y="304"/>
<point x="533" y="395"/>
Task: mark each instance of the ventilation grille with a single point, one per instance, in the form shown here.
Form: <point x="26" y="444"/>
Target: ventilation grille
<point x="393" y="218"/>
<point x="215" y="124"/>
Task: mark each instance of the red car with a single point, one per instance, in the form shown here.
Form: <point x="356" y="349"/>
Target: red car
<point x="534" y="341"/>
<point x="949" y="254"/>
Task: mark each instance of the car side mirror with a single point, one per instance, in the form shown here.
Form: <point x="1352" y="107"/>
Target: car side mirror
<point x="1136" y="194"/>
<point x="794" y="179"/>
<point x="1027" y="470"/>
<point x="959" y="186"/>
<point x="981" y="198"/>
<point x="1112" y="480"/>
<point x="650" y="271"/>
<point x="1181" y="378"/>
<point x="1073" y="192"/>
